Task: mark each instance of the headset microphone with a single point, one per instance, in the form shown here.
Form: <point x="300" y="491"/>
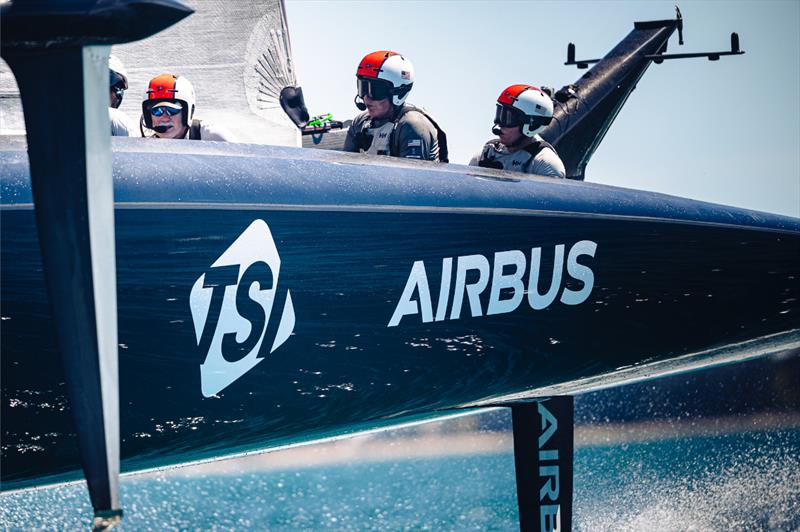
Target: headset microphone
<point x="360" y="103"/>
<point x="160" y="129"/>
<point x="496" y="130"/>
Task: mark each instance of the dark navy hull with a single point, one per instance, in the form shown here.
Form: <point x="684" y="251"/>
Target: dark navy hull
<point x="638" y="278"/>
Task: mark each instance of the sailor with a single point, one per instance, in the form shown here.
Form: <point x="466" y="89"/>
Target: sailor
<point x="388" y="125"/>
<point x="121" y="124"/>
<point x="522" y="111"/>
<point x="168" y="112"/>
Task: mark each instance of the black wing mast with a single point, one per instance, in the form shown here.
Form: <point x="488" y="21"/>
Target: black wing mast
<point x="586" y="109"/>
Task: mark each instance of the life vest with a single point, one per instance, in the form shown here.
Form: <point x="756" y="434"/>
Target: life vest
<point x="382" y="142"/>
<point x="533" y="149"/>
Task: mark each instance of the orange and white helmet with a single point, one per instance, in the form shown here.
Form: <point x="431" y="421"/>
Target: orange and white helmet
<point x="171" y="92"/>
<point x="384" y="74"/>
<point x="526" y="106"/>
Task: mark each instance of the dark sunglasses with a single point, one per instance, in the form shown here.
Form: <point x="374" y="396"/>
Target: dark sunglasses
<point x="376" y="89"/>
<point x="509" y="117"/>
<point x="158" y="111"/>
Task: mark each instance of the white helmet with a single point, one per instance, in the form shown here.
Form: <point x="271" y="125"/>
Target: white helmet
<point x="383" y="74"/>
<point x="118" y="79"/>
<point x="526" y="106"/>
<point x="170" y="91"/>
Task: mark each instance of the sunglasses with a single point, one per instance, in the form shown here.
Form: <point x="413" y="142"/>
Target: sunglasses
<point x="506" y="116"/>
<point x="509" y="117"/>
<point x="158" y="111"/>
<point x="374" y="88"/>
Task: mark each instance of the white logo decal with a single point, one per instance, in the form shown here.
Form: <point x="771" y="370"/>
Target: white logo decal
<point x="232" y="309"/>
<point x="507" y="273"/>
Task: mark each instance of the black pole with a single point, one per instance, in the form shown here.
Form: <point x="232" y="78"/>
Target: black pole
<point x="71" y="182"/>
<point x="58" y="52"/>
<point x="543" y="457"/>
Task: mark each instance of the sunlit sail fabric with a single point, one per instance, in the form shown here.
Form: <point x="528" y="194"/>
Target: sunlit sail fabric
<point x="236" y="54"/>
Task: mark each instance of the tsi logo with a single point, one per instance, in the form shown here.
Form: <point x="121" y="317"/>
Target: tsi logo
<point x="239" y="310"/>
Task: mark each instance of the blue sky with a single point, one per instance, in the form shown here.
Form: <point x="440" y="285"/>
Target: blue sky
<point x="726" y="132"/>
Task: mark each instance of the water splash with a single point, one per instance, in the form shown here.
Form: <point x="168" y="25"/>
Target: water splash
<point x="743" y="481"/>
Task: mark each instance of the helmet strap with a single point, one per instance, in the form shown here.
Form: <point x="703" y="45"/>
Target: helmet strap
<point x="401" y="94"/>
<point x="396" y="110"/>
<point x="525" y="134"/>
<point x="188" y="115"/>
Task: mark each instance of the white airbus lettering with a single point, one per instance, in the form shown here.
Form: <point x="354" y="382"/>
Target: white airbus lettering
<point x="505" y="278"/>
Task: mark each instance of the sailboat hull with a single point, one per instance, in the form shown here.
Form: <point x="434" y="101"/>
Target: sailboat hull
<point x="266" y="300"/>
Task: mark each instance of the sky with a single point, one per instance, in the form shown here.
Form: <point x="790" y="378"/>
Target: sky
<point x="726" y="132"/>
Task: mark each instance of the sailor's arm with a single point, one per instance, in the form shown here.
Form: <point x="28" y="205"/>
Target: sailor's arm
<point x="216" y="132"/>
<point x="352" y="143"/>
<point x="547" y="163"/>
<point x="121" y="124"/>
<point x="416" y="138"/>
<point x="349" y="141"/>
<point x="484" y="159"/>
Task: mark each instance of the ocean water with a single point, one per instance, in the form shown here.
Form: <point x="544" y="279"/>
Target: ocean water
<point x="712" y="450"/>
<point x="736" y="481"/>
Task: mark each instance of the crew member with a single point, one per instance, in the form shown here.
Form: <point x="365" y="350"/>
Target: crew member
<point x="121" y="125"/>
<point x="168" y="112"/>
<point x="388" y="125"/>
<point x="522" y="111"/>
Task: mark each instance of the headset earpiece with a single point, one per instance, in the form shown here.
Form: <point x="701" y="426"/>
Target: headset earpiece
<point x="360" y="103"/>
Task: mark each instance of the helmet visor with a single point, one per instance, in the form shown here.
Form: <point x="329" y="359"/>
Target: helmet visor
<point x="376" y="89"/>
<point x="506" y="116"/>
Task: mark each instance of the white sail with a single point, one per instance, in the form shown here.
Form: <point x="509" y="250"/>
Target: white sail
<point x="11" y="120"/>
<point x="237" y="55"/>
